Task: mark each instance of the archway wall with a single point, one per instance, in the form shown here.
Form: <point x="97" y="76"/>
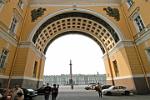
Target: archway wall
<point x="25" y="60"/>
<point x="31" y="27"/>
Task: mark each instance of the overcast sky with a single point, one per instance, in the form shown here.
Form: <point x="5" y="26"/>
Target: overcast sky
<point x="85" y="54"/>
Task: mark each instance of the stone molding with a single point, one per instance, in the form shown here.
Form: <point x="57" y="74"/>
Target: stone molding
<point x="78" y="2"/>
<point x="121" y="44"/>
<point x="145" y="36"/>
<point x="24" y="44"/>
<point x="129" y="76"/>
<point x="20" y="77"/>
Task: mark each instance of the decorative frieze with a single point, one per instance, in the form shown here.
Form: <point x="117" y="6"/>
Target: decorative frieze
<point x="113" y="12"/>
<point x="35" y="13"/>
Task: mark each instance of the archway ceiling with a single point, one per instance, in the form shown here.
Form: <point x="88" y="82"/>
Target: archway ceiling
<point x="75" y="22"/>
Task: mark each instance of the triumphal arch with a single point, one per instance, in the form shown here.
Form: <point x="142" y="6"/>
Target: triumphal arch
<point x="121" y="28"/>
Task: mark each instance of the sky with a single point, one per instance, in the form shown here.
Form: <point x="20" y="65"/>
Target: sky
<point x="85" y="54"/>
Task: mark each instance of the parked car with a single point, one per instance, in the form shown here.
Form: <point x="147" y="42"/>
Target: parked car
<point x="90" y="87"/>
<point x="106" y="86"/>
<point x="29" y="93"/>
<point x="40" y="91"/>
<point x="116" y="90"/>
<point x="1" y="90"/>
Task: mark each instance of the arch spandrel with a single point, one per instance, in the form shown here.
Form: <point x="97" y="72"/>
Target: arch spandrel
<point x="75" y="21"/>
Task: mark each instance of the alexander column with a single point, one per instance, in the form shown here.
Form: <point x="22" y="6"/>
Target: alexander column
<point x="71" y="80"/>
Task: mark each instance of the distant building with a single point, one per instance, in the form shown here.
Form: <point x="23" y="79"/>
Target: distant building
<point x="78" y="79"/>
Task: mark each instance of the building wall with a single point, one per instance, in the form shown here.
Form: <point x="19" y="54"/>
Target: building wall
<point x="130" y="52"/>
<point x="78" y="79"/>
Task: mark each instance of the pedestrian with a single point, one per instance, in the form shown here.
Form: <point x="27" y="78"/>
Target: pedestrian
<point x="47" y="91"/>
<point x="55" y="91"/>
<point x="98" y="88"/>
<point x="18" y="93"/>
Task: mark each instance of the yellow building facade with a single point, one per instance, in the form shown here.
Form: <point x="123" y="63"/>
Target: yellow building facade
<point x="120" y="27"/>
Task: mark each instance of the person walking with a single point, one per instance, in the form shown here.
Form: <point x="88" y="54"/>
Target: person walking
<point x="98" y="88"/>
<point x="18" y="93"/>
<point x="55" y="91"/>
<point x="47" y="91"/>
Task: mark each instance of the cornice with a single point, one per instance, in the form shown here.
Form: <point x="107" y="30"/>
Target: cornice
<point x="7" y="37"/>
<point x="119" y="45"/>
<point x="72" y="5"/>
<point x="75" y="2"/>
<point x="144" y="37"/>
<point x="24" y="44"/>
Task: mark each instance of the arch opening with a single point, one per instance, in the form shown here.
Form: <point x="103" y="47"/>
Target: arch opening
<point x="83" y="53"/>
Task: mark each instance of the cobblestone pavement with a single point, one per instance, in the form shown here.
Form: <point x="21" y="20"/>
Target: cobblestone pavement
<point x="65" y="93"/>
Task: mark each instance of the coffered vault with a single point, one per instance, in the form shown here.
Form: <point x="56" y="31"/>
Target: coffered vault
<point x="75" y="22"/>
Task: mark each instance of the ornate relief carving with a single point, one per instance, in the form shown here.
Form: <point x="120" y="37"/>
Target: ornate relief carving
<point x="35" y="13"/>
<point x="113" y="12"/>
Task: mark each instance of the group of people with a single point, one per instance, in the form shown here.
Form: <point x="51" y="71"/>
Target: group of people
<point x="12" y="94"/>
<point x="18" y="94"/>
<point x="48" y="90"/>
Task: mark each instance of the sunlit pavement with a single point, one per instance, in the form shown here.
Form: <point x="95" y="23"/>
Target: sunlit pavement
<point x="79" y="93"/>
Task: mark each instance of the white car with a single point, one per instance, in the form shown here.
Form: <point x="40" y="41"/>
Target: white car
<point x="116" y="90"/>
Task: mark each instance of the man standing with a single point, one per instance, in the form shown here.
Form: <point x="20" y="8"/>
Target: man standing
<point x="98" y="88"/>
<point x="54" y="91"/>
<point x="47" y="91"/>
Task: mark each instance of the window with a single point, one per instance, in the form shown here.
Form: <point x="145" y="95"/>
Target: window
<point x="130" y="2"/>
<point x="138" y="22"/>
<point x="116" y="68"/>
<point x="20" y="4"/>
<point x="3" y="57"/>
<point x="13" y="26"/>
<point x="35" y="69"/>
<point x="148" y="54"/>
<point x="2" y="2"/>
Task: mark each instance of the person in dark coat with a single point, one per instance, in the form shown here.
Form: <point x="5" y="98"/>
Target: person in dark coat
<point x="47" y="91"/>
<point x="55" y="91"/>
<point x="98" y="88"/>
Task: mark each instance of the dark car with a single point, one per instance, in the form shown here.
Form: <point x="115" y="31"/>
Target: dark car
<point x="106" y="86"/>
<point x="1" y="90"/>
<point x="40" y="91"/>
<point x="29" y="93"/>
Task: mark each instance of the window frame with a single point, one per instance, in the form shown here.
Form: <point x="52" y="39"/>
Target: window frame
<point x="141" y="26"/>
<point x="2" y="4"/>
<point x="3" y="57"/>
<point x="35" y="68"/>
<point x="130" y="3"/>
<point x="21" y="4"/>
<point x="116" y="69"/>
<point x="13" y="29"/>
<point x="148" y="54"/>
